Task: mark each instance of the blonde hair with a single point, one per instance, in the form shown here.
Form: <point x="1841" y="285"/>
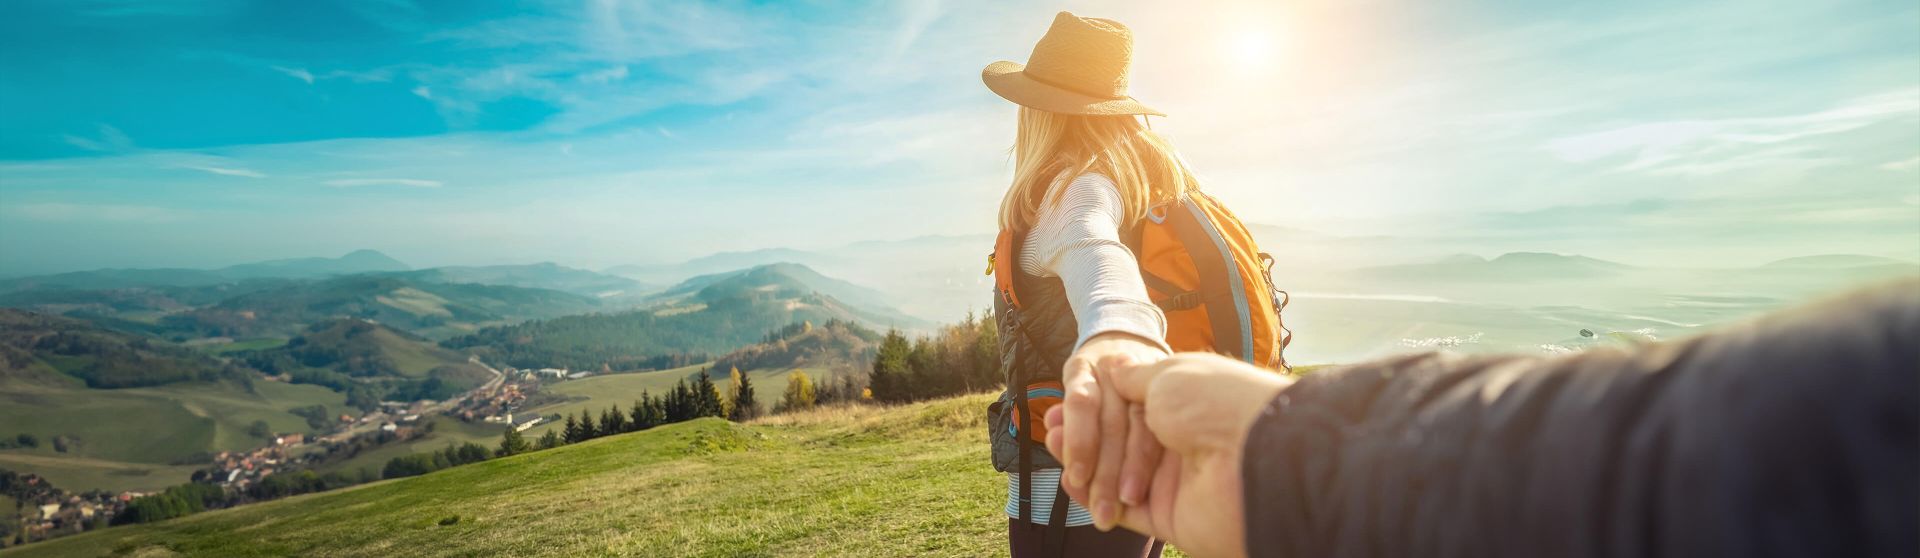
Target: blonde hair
<point x="1051" y="149"/>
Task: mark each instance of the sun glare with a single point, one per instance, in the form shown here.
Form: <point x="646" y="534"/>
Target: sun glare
<point x="1251" y="50"/>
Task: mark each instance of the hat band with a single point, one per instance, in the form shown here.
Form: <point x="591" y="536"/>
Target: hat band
<point x="1051" y="83"/>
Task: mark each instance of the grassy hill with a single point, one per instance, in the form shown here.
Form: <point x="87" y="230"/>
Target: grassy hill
<point x="44" y="349"/>
<point x="862" y="481"/>
<point x="131" y="439"/>
<point x="705" y="316"/>
<point x="365" y="359"/>
<point x="534" y="276"/>
<point x="426" y="308"/>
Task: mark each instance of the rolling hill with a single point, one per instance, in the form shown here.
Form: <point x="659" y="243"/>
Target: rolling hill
<point x="426" y="308"/>
<point x="852" y="481"/>
<point x="129" y="412"/>
<point x="44" y="349"/>
<point x="368" y="362"/>
<point x="546" y="275"/>
<point x="704" y="316"/>
<point x="359" y="261"/>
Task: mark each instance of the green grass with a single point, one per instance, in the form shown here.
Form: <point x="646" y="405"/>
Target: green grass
<point x="129" y="436"/>
<point x="445" y="430"/>
<point x="846" y="481"/>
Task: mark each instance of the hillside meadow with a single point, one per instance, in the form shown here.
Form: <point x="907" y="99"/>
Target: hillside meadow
<point x="909" y="480"/>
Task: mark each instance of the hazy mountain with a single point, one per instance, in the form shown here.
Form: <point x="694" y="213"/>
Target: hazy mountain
<point x="716" y="263"/>
<point x="688" y="323"/>
<point x="545" y="275"/>
<point x="834" y="345"/>
<point x="358" y="261"/>
<point x="425" y="308"/>
<point x="790" y="279"/>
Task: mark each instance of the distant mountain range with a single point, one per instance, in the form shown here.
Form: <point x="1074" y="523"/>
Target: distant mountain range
<point x="689" y="322"/>
<point x="358" y="261"/>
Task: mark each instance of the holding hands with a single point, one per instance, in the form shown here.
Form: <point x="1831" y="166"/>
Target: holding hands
<point x="1165" y="437"/>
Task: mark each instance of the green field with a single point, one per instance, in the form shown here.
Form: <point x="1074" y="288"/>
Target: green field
<point x="844" y="481"/>
<point x="129" y="437"/>
<point x="599" y="392"/>
<point x="445" y="430"/>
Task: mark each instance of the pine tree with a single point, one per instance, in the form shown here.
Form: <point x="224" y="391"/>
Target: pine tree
<point x="891" y="370"/>
<point x="613" y="421"/>
<point x="745" y="407"/>
<point x="550" y="440"/>
<point x="588" y="427"/>
<point x="637" y="418"/>
<point x="573" y="430"/>
<point x="512" y="443"/>
<point x="707" y="398"/>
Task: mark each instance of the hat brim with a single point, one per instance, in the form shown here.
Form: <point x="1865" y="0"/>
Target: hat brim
<point x="1009" y="80"/>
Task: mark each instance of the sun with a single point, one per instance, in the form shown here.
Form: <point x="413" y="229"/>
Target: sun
<point x="1251" y="50"/>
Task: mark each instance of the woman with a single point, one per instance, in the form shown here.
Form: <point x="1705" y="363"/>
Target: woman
<point x="1086" y="171"/>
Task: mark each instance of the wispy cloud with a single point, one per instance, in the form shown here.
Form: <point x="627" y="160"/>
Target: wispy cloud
<point x="423" y="92"/>
<point x="226" y="171"/>
<point x="1713" y="146"/>
<point x="110" y="139"/>
<point x="297" y="73"/>
<point x="409" y="182"/>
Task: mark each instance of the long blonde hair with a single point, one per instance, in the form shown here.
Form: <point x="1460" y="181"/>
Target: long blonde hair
<point x="1051" y="149"/>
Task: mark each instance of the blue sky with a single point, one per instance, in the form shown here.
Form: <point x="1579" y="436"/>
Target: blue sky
<point x="160" y="133"/>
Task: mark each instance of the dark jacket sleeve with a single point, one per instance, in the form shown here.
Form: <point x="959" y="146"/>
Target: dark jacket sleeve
<point x="1795" y="435"/>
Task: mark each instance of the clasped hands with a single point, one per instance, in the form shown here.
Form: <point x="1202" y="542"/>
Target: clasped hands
<point x="1153" y="442"/>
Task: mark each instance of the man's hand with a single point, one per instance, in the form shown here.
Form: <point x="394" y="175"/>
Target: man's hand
<point x="1200" y="407"/>
<point x="1091" y="421"/>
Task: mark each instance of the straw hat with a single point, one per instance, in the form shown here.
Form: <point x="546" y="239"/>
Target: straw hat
<point x="1079" y="67"/>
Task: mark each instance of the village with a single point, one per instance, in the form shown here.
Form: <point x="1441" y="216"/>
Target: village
<point x="46" y="511"/>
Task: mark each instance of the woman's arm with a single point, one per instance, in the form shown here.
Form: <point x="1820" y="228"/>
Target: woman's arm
<point x="1077" y="238"/>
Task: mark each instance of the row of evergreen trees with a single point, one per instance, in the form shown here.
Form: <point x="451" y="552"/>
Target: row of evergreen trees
<point x="959" y="358"/>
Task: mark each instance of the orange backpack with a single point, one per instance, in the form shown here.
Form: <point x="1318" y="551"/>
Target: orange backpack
<point x="1203" y="269"/>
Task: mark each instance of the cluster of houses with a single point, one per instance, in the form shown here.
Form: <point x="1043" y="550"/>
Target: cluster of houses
<point x="48" y="511"/>
<point x="239" y="469"/>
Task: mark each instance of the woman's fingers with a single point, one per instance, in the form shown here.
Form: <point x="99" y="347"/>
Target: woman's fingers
<point x="1142" y="457"/>
<point x="1105" y="491"/>
<point x="1079" y="424"/>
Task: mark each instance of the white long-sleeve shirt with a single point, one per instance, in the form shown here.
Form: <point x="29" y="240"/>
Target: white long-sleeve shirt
<point x="1077" y="238"/>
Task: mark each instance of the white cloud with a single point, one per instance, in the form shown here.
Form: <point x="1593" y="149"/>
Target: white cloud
<point x="423" y="92"/>
<point x="615" y="73"/>
<point x="1712" y="146"/>
<point x="225" y="171"/>
<point x="411" y="182"/>
<point x="297" y="73"/>
<point x="111" y="139"/>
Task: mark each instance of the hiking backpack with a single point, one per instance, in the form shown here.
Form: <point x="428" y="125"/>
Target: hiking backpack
<point x="1200" y="266"/>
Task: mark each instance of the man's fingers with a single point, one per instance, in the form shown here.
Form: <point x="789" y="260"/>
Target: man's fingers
<point x="1142" y="457"/>
<point x="1131" y="381"/>
<point x="1105" y="491"/>
<point x="1079" y="422"/>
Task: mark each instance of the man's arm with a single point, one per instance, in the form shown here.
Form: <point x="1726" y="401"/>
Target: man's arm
<point x="1797" y="435"/>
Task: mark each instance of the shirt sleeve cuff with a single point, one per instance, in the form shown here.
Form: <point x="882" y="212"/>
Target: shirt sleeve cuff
<point x="1123" y="315"/>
